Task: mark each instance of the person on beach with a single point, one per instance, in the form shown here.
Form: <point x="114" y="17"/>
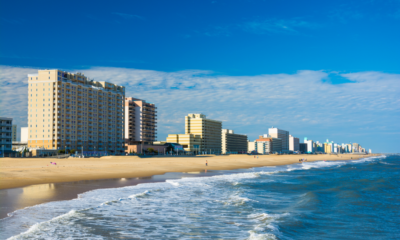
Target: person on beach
<point x="206" y="163"/>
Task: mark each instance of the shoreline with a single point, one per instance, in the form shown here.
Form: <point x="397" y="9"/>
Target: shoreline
<point x="22" y="172"/>
<point x="26" y="196"/>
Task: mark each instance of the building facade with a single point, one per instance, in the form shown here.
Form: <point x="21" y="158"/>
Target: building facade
<point x="70" y="111"/>
<point x="197" y="126"/>
<point x="232" y="142"/>
<point x="303" y="147"/>
<point x="210" y="131"/>
<point x="189" y="142"/>
<point x="5" y="134"/>
<point x="24" y="134"/>
<point x="265" y="145"/>
<point x="294" y="144"/>
<point x="282" y="134"/>
<point x="14" y="133"/>
<point x="310" y="145"/>
<point x="140" y="121"/>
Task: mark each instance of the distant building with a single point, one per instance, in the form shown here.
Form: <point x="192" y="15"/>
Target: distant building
<point x="294" y="143"/>
<point x="281" y="134"/>
<point x="14" y="133"/>
<point x="140" y="121"/>
<point x="356" y="147"/>
<point x="24" y="134"/>
<point x="303" y="147"/>
<point x="328" y="146"/>
<point x="201" y="134"/>
<point x="5" y="134"/>
<point x="265" y="145"/>
<point x="232" y="142"/>
<point x="310" y="145"/>
<point x="370" y="151"/>
<point x="189" y="142"/>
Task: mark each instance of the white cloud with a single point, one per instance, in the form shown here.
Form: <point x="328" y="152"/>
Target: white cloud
<point x="302" y="102"/>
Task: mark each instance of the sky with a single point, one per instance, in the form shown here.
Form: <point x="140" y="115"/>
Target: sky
<point x="319" y="69"/>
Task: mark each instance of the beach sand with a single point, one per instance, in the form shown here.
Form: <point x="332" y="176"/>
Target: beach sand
<point x="20" y="172"/>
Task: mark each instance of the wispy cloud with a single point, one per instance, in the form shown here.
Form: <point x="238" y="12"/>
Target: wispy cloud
<point x="260" y="26"/>
<point x="276" y="26"/>
<point x="302" y="102"/>
<point x="127" y="16"/>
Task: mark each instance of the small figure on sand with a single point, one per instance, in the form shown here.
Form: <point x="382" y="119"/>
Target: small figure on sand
<point x="206" y="163"/>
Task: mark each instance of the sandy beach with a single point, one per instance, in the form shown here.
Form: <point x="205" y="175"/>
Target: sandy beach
<point x="20" y="172"/>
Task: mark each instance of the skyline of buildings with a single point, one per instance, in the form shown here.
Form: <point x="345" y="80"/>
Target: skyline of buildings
<point x="71" y="111"/>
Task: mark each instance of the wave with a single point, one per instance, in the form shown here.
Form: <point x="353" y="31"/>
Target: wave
<point x="218" y="189"/>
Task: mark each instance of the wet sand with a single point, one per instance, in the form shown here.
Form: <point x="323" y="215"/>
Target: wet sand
<point x="30" y="181"/>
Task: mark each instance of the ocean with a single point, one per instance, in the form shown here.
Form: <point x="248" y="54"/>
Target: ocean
<point x="315" y="200"/>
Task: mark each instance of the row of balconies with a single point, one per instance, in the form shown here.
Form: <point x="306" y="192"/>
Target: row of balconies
<point x="5" y="129"/>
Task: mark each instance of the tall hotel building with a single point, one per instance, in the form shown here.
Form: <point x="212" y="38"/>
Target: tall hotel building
<point x="70" y="111"/>
<point x="140" y="121"/>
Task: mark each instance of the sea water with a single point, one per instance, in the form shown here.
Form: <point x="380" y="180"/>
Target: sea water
<point x="314" y="200"/>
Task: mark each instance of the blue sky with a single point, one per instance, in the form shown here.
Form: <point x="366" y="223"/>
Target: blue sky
<point x="320" y="69"/>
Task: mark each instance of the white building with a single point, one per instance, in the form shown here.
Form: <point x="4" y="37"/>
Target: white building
<point x="282" y="134"/>
<point x="294" y="143"/>
<point x="310" y="145"/>
<point x="24" y="134"/>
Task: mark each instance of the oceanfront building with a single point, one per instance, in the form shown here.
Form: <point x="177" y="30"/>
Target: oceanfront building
<point x="24" y="134"/>
<point x="201" y="134"/>
<point x="5" y="134"/>
<point x="140" y="121"/>
<point x="70" y="111"/>
<point x="14" y="133"/>
<point x="294" y="144"/>
<point x="232" y="142"/>
<point x="265" y="145"/>
<point x="310" y="145"/>
<point x="281" y="134"/>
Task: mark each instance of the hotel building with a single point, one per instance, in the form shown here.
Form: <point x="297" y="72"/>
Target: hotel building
<point x="310" y="145"/>
<point x="70" y="111"/>
<point x="198" y="127"/>
<point x="233" y="143"/>
<point x="265" y="145"/>
<point x="294" y="143"/>
<point x="282" y="134"/>
<point x="140" y="121"/>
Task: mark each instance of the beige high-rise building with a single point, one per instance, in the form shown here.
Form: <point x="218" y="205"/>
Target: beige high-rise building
<point x="140" y="121"/>
<point x="209" y="131"/>
<point x="70" y="111"/>
<point x="232" y="142"/>
<point x="197" y="126"/>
